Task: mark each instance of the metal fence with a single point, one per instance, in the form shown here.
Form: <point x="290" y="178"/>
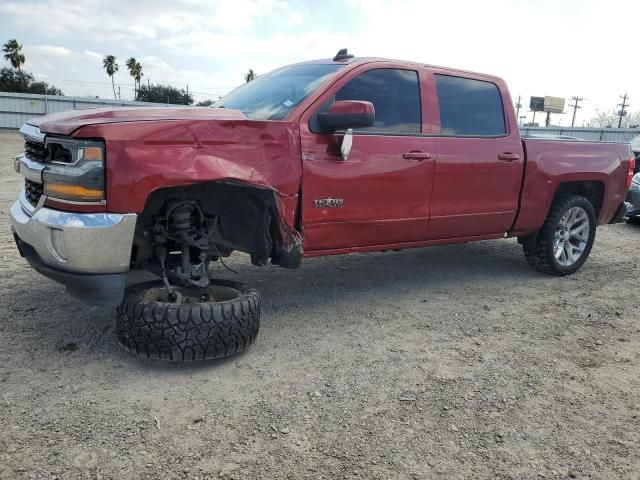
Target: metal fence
<point x="17" y="108"/>
<point x="622" y="135"/>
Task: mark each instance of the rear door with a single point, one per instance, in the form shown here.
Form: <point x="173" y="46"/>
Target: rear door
<point x="480" y="158"/>
<point x="380" y="194"/>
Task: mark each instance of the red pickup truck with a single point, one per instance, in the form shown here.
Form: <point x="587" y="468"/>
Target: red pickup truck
<point x="318" y="158"/>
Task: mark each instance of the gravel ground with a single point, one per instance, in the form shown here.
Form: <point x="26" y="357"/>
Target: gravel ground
<point x="449" y="362"/>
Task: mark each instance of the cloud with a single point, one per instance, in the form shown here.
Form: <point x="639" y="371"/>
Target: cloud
<point x="143" y="19"/>
<point x="47" y="51"/>
<point x="541" y="47"/>
<point x="91" y="53"/>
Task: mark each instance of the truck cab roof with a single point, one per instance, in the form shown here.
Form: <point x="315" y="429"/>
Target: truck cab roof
<point x="354" y="61"/>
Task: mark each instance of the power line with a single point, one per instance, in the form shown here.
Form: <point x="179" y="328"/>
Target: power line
<point x="622" y="112"/>
<point x="127" y="85"/>
<point x="575" y="106"/>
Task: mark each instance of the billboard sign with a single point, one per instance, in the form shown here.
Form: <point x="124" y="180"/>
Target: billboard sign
<point x="553" y="104"/>
<point x="536" y="104"/>
<point x="547" y="104"/>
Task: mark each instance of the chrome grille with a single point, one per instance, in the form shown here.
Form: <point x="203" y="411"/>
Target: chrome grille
<point x="33" y="191"/>
<point x="36" y="151"/>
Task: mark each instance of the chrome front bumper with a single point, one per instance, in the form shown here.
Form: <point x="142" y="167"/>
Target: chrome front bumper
<point x="85" y="243"/>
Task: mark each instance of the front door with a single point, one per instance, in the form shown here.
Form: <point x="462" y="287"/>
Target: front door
<point x="380" y="194"/>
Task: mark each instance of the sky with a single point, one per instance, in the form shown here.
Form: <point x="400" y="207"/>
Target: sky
<point x="561" y="48"/>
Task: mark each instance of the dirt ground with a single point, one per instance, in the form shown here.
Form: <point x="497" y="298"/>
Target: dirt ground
<point x="450" y="362"/>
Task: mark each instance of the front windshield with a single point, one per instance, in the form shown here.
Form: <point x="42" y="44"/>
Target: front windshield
<point x="273" y="95"/>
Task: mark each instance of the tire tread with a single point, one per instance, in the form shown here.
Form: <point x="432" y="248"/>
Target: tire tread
<point x="539" y="253"/>
<point x="184" y="332"/>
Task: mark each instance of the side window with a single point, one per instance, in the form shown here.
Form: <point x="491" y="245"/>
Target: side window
<point x="395" y="95"/>
<point x="469" y="107"/>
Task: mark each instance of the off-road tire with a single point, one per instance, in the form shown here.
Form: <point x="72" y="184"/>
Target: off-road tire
<point x="188" y="331"/>
<point x="538" y="249"/>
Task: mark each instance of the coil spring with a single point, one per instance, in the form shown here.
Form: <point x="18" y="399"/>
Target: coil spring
<point x="180" y="219"/>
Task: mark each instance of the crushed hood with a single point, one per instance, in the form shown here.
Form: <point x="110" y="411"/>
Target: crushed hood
<point x="65" y="123"/>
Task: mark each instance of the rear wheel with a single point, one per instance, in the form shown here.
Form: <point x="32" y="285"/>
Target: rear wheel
<point x="216" y="321"/>
<point x="564" y="242"/>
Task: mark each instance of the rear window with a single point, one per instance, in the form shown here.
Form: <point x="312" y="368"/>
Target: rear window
<point x="469" y="107"/>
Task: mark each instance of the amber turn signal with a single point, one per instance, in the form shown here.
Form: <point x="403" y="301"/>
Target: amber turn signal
<point x="91" y="154"/>
<point x="65" y="191"/>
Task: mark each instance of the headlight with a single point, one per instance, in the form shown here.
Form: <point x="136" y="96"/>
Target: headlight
<point x="76" y="170"/>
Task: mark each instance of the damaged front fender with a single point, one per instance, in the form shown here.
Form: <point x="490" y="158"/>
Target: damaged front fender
<point x="247" y="218"/>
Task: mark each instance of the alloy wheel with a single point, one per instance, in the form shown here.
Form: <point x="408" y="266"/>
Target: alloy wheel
<point x="571" y="237"/>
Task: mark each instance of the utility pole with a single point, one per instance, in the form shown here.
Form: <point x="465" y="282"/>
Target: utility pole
<point x="575" y="106"/>
<point x="622" y="112"/>
<point x="518" y="106"/>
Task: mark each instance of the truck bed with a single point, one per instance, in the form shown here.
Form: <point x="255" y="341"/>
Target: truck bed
<point x="552" y="162"/>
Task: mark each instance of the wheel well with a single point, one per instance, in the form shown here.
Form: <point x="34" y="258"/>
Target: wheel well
<point x="591" y="190"/>
<point x="247" y="218"/>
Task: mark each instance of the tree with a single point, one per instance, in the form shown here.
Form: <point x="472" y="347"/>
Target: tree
<point x="135" y="70"/>
<point x="12" y="80"/>
<point x="43" y="88"/>
<point x="110" y="65"/>
<point x="610" y="119"/>
<point x="12" y="52"/>
<point x="164" y="94"/>
<point x="137" y="75"/>
<point x="131" y="66"/>
<point x="250" y="75"/>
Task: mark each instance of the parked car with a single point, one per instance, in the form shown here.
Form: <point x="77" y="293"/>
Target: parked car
<point x="633" y="212"/>
<point x="635" y="147"/>
<point x="325" y="157"/>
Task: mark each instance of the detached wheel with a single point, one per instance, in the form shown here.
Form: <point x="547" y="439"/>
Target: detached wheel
<point x="564" y="242"/>
<point x="201" y="324"/>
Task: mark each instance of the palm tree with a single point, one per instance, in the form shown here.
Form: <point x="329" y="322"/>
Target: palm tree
<point x="250" y="75"/>
<point x="135" y="70"/>
<point x="131" y="66"/>
<point x="137" y="74"/>
<point x="110" y="65"/>
<point x="12" y="53"/>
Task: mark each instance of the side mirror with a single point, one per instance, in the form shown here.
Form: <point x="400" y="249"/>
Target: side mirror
<point x="346" y="114"/>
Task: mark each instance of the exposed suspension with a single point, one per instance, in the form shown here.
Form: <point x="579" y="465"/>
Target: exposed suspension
<point x="180" y="220"/>
<point x="183" y="228"/>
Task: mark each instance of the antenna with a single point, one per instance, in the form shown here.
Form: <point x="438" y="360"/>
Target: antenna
<point x="342" y="55"/>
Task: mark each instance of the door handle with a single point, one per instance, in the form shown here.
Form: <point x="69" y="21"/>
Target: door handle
<point x="508" y="157"/>
<point x="416" y="155"/>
